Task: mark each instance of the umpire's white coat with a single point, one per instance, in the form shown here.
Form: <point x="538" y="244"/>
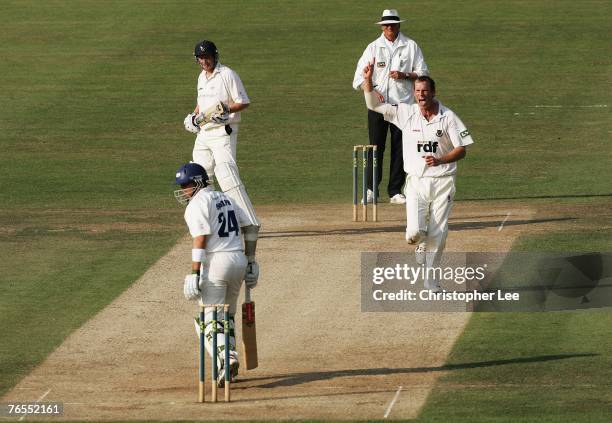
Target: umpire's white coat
<point x="405" y="57"/>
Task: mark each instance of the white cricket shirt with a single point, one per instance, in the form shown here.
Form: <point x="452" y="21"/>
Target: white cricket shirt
<point x="211" y="213"/>
<point x="223" y="85"/>
<point x="421" y="138"/>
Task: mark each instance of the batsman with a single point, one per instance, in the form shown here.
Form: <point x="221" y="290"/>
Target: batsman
<point x="218" y="261"/>
<point x="220" y="99"/>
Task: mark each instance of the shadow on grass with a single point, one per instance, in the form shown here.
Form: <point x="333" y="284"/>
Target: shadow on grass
<point x="294" y="379"/>
<point x="457" y="226"/>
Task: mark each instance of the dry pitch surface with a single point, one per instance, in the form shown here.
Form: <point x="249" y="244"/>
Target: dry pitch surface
<point x="320" y="356"/>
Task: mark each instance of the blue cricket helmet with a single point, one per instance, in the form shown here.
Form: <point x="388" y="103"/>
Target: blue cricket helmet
<point x="188" y="173"/>
<point x="191" y="172"/>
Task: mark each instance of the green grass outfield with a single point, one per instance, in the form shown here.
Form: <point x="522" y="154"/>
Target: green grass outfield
<point x="94" y="93"/>
<point x="525" y="367"/>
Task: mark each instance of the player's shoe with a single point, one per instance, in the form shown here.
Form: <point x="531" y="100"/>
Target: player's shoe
<point x="414" y="239"/>
<point x="233" y="369"/>
<point x="419" y="253"/>
<point x="398" y="199"/>
<point x="234" y="366"/>
<point x="370" y="197"/>
<point x="433" y="286"/>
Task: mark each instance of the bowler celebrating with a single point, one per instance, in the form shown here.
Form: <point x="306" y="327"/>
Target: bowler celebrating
<point x="434" y="139"/>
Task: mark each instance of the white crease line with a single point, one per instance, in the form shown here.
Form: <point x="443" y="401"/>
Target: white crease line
<point x="38" y="400"/>
<point x="502" y="224"/>
<point x="393" y="402"/>
<point x="43" y="396"/>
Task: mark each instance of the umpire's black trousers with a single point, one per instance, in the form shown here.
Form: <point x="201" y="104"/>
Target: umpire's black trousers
<point x="377" y="129"/>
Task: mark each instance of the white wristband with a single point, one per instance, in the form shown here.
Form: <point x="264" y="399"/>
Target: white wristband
<point x="198" y="255"/>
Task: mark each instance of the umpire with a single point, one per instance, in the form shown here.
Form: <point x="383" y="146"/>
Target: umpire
<point x="398" y="62"/>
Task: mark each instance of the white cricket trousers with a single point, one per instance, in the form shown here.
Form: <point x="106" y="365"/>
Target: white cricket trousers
<point x="428" y="204"/>
<point x="222" y="276"/>
<point x="215" y="151"/>
<point x="213" y="147"/>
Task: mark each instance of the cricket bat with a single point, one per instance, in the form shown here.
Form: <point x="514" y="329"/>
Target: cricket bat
<point x="249" y="335"/>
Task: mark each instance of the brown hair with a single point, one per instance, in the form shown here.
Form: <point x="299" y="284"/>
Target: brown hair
<point x="429" y="80"/>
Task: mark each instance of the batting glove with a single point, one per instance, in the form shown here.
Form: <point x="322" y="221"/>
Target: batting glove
<point x="252" y="274"/>
<point x="191" y="289"/>
<point x="190" y="125"/>
<point x="217" y="113"/>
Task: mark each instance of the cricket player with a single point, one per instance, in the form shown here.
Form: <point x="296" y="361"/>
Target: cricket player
<point x="218" y="262"/>
<point x="220" y="99"/>
<point x="434" y="139"/>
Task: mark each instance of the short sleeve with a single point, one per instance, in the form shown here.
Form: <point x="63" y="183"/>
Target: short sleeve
<point x="237" y="91"/>
<point x="197" y="216"/>
<point x="458" y="133"/>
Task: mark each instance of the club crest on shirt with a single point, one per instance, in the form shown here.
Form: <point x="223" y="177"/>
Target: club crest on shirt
<point x="381" y="64"/>
<point x="439" y="133"/>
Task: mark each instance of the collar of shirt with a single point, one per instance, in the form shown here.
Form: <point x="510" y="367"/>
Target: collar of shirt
<point x="215" y="71"/>
<point x="400" y="41"/>
<point x="441" y="113"/>
<point x="391" y="45"/>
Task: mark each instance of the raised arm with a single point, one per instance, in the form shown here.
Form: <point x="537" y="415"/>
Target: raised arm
<point x="372" y="100"/>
